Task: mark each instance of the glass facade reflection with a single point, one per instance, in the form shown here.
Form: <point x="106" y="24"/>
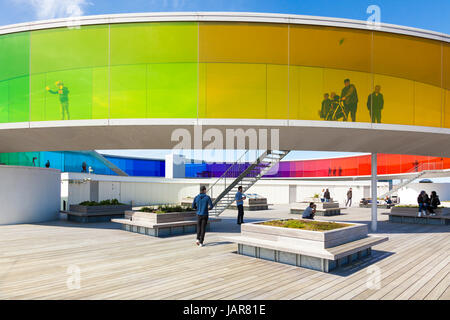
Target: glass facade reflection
<point x="223" y="70"/>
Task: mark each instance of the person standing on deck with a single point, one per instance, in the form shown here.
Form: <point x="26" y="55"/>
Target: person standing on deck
<point x="240" y="197"/>
<point x="202" y="203"/>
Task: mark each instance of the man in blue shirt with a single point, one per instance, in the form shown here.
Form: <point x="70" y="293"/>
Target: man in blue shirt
<point x="202" y="203"/>
<point x="309" y="212"/>
<point x="240" y="197"/>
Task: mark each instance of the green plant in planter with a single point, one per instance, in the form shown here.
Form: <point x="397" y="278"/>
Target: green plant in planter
<point x="110" y="202"/>
<point x="316" y="196"/>
<point x="167" y="209"/>
<point x="306" y="225"/>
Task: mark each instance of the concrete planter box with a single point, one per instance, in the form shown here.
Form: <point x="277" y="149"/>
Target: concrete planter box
<point x="95" y="209"/>
<point x="312" y="239"/>
<point x="161" y="224"/>
<point x="318" y="250"/>
<point x="322" y="208"/>
<point x="253" y="204"/>
<point x="155" y="218"/>
<point x="79" y="213"/>
<point x="188" y="201"/>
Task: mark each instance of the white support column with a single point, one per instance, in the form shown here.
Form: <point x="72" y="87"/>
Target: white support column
<point x="374" y="192"/>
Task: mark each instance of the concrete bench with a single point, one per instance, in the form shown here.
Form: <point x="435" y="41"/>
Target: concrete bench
<point x="408" y="217"/>
<point x="162" y="229"/>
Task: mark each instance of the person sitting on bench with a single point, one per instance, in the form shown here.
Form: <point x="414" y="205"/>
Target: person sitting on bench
<point x="434" y="203"/>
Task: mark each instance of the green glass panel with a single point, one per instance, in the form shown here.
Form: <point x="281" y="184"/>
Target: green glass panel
<point x="14" y="55"/>
<point x="64" y="48"/>
<point x="129" y="91"/>
<point x="100" y="93"/>
<point x="19" y="101"/>
<point x="172" y="90"/>
<point x="14" y="82"/>
<point x="4" y="101"/>
<point x="64" y="65"/>
<point x="154" y="42"/>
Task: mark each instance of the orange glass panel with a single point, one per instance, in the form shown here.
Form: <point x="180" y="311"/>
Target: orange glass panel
<point x="407" y="57"/>
<point x="243" y="42"/>
<point x="330" y="47"/>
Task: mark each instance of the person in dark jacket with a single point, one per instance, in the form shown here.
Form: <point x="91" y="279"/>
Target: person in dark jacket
<point x="240" y="197"/>
<point x="349" y="96"/>
<point x="375" y="103"/>
<point x="327" y="196"/>
<point x="202" y="203"/>
<point x="349" y="198"/>
<point x="422" y="200"/>
<point x="326" y="107"/>
<point x="434" y="203"/>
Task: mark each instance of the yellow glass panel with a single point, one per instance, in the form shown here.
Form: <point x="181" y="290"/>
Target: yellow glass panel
<point x="243" y="42"/>
<point x="334" y="82"/>
<point x="398" y="95"/>
<point x="202" y="67"/>
<point x="277" y="92"/>
<point x="294" y="92"/>
<point x="311" y="93"/>
<point x="446" y="66"/>
<point x="330" y="47"/>
<point x="234" y="90"/>
<point x="446" y="119"/>
<point x="100" y="93"/>
<point x="428" y="105"/>
<point x="407" y="57"/>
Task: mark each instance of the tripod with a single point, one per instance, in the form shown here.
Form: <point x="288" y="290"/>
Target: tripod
<point x="333" y="111"/>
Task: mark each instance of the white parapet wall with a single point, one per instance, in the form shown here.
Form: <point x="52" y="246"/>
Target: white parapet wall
<point x="138" y="191"/>
<point x="409" y="194"/>
<point x="29" y="194"/>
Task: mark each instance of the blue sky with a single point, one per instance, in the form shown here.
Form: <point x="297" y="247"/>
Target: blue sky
<point x="432" y="15"/>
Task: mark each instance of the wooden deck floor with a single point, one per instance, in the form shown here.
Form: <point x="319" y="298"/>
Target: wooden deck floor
<point x="115" y="264"/>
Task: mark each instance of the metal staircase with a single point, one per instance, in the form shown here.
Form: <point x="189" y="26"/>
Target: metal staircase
<point x="243" y="174"/>
<point x="418" y="171"/>
<point x="106" y="162"/>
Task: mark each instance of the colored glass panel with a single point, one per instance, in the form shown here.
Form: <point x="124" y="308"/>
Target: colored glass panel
<point x="398" y="100"/>
<point x="234" y="90"/>
<point x="243" y="43"/>
<point x="330" y="47"/>
<point x="129" y="91"/>
<point x="14" y="81"/>
<point x="172" y="90"/>
<point x="427" y="105"/>
<point x="63" y="67"/>
<point x="156" y="42"/>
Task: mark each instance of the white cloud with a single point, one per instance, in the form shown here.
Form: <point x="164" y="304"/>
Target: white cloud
<point x="49" y="9"/>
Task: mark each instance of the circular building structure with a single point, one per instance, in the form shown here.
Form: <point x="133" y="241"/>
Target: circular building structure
<point x="130" y="80"/>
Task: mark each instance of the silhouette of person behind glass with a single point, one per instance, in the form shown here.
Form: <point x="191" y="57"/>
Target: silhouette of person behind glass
<point x="63" y="93"/>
